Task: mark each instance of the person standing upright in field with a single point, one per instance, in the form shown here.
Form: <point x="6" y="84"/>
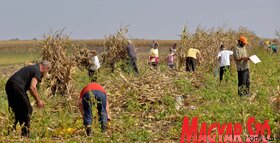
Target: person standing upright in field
<point x="242" y="65"/>
<point x="154" y="56"/>
<point x="171" y="59"/>
<point x="18" y="84"/>
<point x="224" y="60"/>
<point x="193" y="56"/>
<point x="132" y="56"/>
<point x="94" y="91"/>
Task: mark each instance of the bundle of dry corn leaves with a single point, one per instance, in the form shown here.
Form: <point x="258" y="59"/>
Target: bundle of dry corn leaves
<point x="82" y="57"/>
<point x="54" y="49"/>
<point x="115" y="48"/>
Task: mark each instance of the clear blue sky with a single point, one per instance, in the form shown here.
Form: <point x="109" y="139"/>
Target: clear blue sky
<point x="148" y="19"/>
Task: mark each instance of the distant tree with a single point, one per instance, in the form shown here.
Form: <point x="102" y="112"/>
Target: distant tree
<point x="15" y="39"/>
<point x="34" y="39"/>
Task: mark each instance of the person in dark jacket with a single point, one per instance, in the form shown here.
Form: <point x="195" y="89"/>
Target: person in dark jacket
<point x="17" y="85"/>
<point x="132" y="56"/>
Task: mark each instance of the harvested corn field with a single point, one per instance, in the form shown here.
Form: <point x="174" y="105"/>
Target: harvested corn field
<point x="149" y="106"/>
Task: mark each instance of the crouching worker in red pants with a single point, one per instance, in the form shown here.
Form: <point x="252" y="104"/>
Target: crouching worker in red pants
<point x="96" y="91"/>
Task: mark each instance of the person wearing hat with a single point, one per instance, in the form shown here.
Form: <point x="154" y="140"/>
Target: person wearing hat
<point x="242" y="65"/>
<point x="154" y="55"/>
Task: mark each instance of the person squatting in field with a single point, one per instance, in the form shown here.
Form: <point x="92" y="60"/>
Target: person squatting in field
<point x="154" y="56"/>
<point x="242" y="65"/>
<point x="94" y="64"/>
<point x="132" y="56"/>
<point x="193" y="56"/>
<point x="224" y="60"/>
<point x="274" y="47"/>
<point x="17" y="85"/>
<point x="94" y="92"/>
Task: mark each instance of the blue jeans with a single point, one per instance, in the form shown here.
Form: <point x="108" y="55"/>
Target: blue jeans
<point x="101" y="107"/>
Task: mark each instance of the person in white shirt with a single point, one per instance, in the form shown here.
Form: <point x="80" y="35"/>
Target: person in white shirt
<point x="95" y="65"/>
<point x="224" y="60"/>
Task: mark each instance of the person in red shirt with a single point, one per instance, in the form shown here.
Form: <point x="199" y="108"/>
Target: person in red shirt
<point x="90" y="91"/>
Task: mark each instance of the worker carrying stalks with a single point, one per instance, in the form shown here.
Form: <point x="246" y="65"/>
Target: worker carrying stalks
<point x="132" y="56"/>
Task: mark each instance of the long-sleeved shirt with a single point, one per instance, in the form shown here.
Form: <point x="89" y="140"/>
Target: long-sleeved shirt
<point x="131" y="51"/>
<point x="240" y="52"/>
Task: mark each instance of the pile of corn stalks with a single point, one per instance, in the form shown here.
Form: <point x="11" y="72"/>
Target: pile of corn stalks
<point x="208" y="41"/>
<point x="54" y="49"/>
<point x="83" y="57"/>
<point x="142" y="98"/>
<point x="115" y="48"/>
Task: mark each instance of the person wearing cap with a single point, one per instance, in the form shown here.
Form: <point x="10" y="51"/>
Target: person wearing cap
<point x="132" y="56"/>
<point x="193" y="56"/>
<point x="154" y="56"/>
<point x="242" y="65"/>
<point x="94" y="64"/>
<point x="91" y="93"/>
<point x="26" y="79"/>
<point x="224" y="60"/>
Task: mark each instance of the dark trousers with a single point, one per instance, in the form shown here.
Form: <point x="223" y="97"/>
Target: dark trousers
<point x="101" y="107"/>
<point x="243" y="82"/>
<point x="223" y="69"/>
<point x="154" y="64"/>
<point x="19" y="106"/>
<point x="91" y="73"/>
<point x="134" y="65"/>
<point x="190" y="64"/>
<point x="171" y="66"/>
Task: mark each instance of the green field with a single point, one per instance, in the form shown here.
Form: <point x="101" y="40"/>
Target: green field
<point x="140" y="115"/>
<point x="12" y="59"/>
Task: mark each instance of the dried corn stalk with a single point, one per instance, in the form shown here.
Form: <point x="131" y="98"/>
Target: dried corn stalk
<point x="183" y="45"/>
<point x="54" y="49"/>
<point x="83" y="57"/>
<point x="208" y="42"/>
<point x="115" y="48"/>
